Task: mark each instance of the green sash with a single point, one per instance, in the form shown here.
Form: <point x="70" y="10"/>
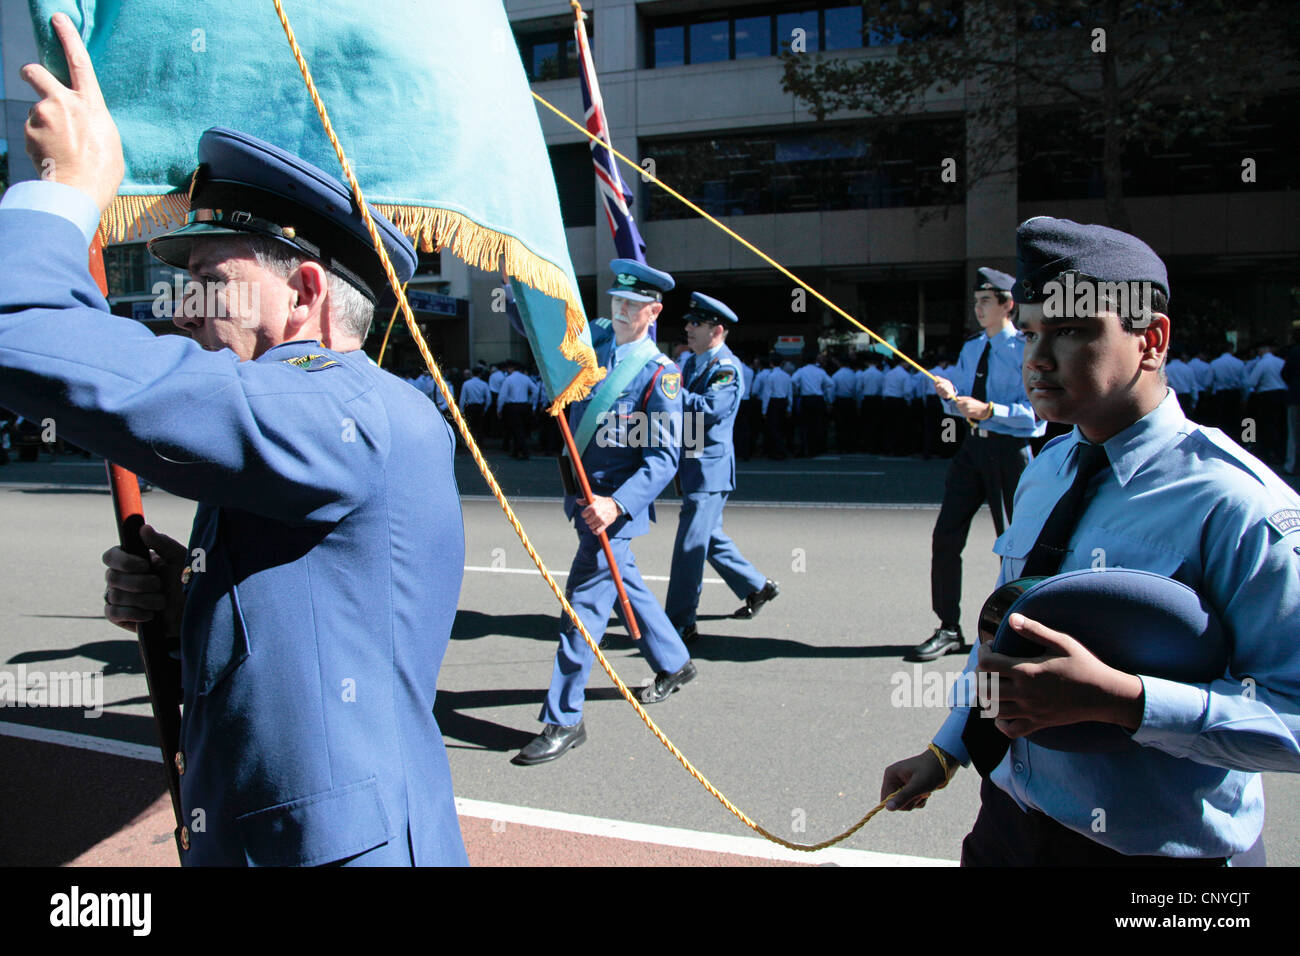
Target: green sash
<point x="608" y="391"/>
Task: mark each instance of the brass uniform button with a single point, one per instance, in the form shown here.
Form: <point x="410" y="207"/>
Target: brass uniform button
<point x="186" y="575"/>
<point x="180" y="763"/>
<point x="185" y="838"/>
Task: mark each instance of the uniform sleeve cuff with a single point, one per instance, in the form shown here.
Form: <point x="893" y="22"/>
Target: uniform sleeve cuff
<point x="68" y="202"/>
<point x="948" y="739"/>
<point x="1172" y="714"/>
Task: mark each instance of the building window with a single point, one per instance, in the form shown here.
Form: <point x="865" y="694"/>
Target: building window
<point x="849" y="167"/>
<point x="755" y="30"/>
<point x="1056" y="164"/>
<point x="549" y="54"/>
<point x="575" y="181"/>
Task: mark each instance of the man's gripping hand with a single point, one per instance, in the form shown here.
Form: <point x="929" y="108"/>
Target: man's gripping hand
<point x="140" y="589"/>
<point x="71" y="138"/>
<point x="918" y="777"/>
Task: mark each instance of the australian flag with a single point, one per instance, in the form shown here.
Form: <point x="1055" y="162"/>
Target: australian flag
<point x="613" y="190"/>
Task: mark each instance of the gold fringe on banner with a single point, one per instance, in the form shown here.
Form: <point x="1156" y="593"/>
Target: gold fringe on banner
<point x="431" y="228"/>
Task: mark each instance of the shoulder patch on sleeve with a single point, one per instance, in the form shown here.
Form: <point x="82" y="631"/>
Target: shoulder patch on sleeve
<point x="1286" y="521"/>
<point x="723" y="377"/>
<point x="310" y="363"/>
<point x="670" y="383"/>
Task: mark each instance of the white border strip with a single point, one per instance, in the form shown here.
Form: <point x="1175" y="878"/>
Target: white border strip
<point x="66" y="738"/>
<point x="688" y="839"/>
<point x="732" y="503"/>
<point x="565" y="574"/>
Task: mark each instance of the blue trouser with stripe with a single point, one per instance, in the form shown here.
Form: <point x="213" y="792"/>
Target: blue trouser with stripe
<point x="592" y="593"/>
<point x="699" y="538"/>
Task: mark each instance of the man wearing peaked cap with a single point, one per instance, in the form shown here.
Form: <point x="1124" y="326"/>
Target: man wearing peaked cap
<point x="628" y="432"/>
<point x="1136" y="486"/>
<point x="312" y="631"/>
<point x="711" y="378"/>
<point x="985" y="389"/>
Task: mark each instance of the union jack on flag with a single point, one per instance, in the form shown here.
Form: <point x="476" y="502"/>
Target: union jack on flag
<point x="613" y="190"/>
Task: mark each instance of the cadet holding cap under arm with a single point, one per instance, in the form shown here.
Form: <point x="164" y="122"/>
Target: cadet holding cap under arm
<point x="1138" y="488"/>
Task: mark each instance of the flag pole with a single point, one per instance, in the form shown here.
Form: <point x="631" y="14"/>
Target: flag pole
<point x="581" y="472"/>
<point x="161" y="673"/>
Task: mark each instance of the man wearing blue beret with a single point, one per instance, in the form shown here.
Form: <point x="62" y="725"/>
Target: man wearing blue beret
<point x="312" y="630"/>
<point x="711" y="378"/>
<point x="1135" y="485"/>
<point x="985" y="389"/>
<point x="629" y="434"/>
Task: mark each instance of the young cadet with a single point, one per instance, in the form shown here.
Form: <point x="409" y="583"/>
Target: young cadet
<point x="629" y="435"/>
<point x="985" y="388"/>
<point x="313" y="632"/>
<point x="1157" y="493"/>
<point x="712" y="380"/>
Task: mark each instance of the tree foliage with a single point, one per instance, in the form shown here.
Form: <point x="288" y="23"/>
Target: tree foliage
<point x="1130" y="71"/>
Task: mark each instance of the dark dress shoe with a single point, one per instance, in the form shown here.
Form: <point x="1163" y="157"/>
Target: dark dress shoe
<point x="551" y="743"/>
<point x="944" y="640"/>
<point x="755" y="602"/>
<point x="665" y="684"/>
<point x="689" y="634"/>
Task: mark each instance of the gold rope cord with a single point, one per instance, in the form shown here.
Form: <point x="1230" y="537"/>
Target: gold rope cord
<point x="486" y="471"/>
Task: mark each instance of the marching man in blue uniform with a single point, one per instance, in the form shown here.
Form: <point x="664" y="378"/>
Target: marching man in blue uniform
<point x="310" y="628"/>
<point x="628" y="432"/>
<point x="985" y="389"/>
<point x="712" y="382"/>
<point x="1134" y="487"/>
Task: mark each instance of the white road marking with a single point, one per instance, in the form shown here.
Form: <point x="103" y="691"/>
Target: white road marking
<point x="819" y="474"/>
<point x="565" y="574"/>
<point x="66" y="738"/>
<point x="688" y="839"/>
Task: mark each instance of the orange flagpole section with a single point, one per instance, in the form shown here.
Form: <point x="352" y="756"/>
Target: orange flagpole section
<point x="160" y="671"/>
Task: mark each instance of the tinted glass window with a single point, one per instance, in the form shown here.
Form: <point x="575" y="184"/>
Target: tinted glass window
<point x="546" y="61"/>
<point x="670" y="46"/>
<point x="710" y="41"/>
<point x="753" y="37"/>
<point x="787" y="23"/>
<point x="843" y="28"/>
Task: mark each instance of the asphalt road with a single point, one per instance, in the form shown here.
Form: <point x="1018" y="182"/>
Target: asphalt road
<point x="794" y="714"/>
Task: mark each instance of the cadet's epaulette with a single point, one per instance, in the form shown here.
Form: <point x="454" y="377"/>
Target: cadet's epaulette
<point x="604" y="323"/>
<point x="310" y="363"/>
<point x="663" y="359"/>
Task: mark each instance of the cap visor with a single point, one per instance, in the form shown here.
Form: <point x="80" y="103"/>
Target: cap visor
<point x="174" y="247"/>
<point x="634" y="296"/>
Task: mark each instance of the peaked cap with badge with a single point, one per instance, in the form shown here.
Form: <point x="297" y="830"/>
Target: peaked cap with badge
<point x="246" y="186"/>
<point x="706" y="307"/>
<point x="1048" y="248"/>
<point x="987" y="279"/>
<point x="638" y="281"/>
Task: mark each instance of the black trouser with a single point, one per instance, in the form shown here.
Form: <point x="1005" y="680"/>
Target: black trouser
<point x="983" y="470"/>
<point x="932" y="439"/>
<point x="846" y="425"/>
<point x="1227" y="412"/>
<point x="776" y="427"/>
<point x="1269" y="411"/>
<point x="1005" y="835"/>
<point x="515" y="418"/>
<point x="746" y="415"/>
<point x="474" y="417"/>
<point x="915" y="425"/>
<point x="1188" y="406"/>
<point x="872" y="430"/>
<point x="893" y="426"/>
<point x="812" y="425"/>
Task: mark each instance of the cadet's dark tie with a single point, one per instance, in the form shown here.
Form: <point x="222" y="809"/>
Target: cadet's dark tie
<point x="980" y="390"/>
<point x="984" y="742"/>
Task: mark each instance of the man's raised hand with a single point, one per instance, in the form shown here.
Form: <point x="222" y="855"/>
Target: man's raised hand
<point x="71" y="138"/>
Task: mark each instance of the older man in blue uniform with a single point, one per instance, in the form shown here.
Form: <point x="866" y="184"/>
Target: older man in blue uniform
<point x="985" y="389"/>
<point x="711" y="397"/>
<point x="1142" y="488"/>
<point x="628" y="432"/>
<point x="312" y="631"/>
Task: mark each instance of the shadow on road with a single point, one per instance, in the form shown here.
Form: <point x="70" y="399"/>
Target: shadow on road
<point x="118" y="657"/>
<point x="479" y="734"/>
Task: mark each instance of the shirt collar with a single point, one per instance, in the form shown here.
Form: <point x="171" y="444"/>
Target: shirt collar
<point x="621" y="351"/>
<point x="1006" y="333"/>
<point x="1132" y="448"/>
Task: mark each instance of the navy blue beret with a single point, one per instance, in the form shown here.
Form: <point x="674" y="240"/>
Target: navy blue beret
<point x="1135" y="621"/>
<point x="1046" y="248"/>
<point x="707" y="307"/>
<point x="245" y="185"/>
<point x="992" y="279"/>
<point x="638" y="282"/>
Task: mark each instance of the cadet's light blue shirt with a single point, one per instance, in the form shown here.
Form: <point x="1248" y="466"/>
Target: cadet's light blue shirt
<point x="1229" y="373"/>
<point x="1186" y="502"/>
<point x="1005" y="388"/>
